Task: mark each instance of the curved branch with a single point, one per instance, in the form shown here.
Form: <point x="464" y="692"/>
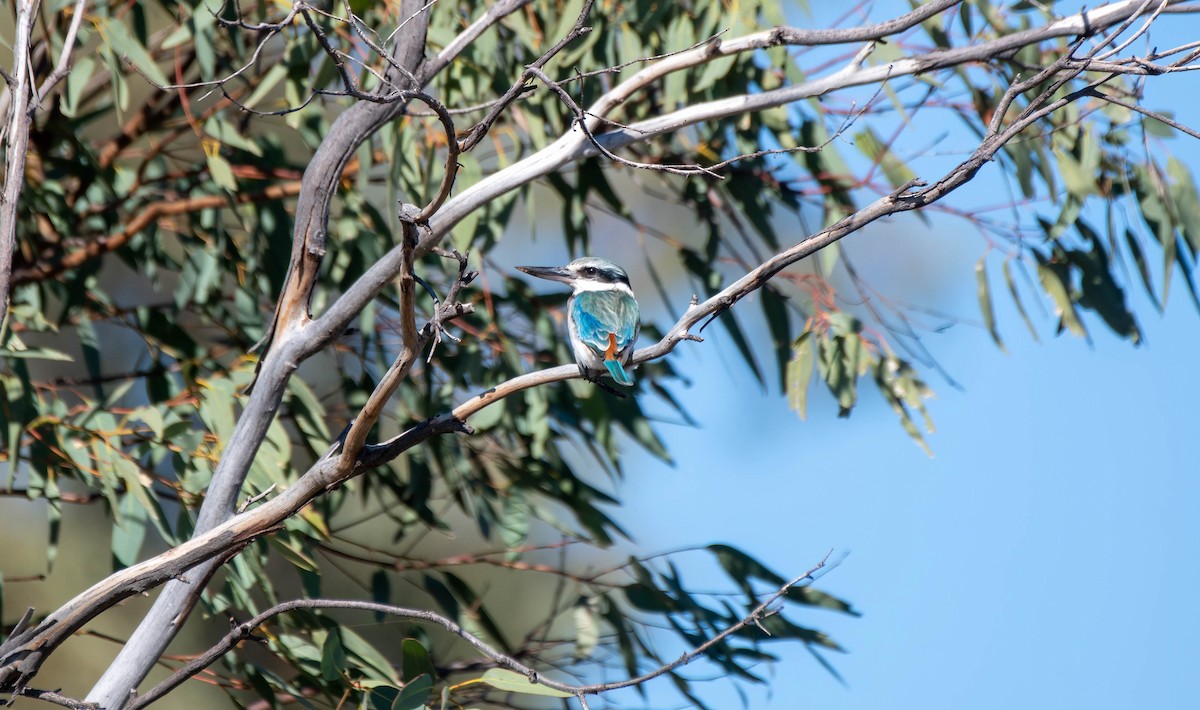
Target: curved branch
<point x="574" y="147"/>
<point x="246" y="630"/>
<point x="318" y="186"/>
<point x="577" y="30"/>
<point x="64" y="57"/>
<point x="57" y="698"/>
<point x="39" y="269"/>
<point x="23" y="653"/>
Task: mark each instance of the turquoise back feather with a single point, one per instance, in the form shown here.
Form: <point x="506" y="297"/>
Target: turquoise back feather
<point x="598" y="313"/>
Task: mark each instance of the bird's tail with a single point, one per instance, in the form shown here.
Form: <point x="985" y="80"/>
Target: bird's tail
<point x="613" y="365"/>
<point x="618" y="372"/>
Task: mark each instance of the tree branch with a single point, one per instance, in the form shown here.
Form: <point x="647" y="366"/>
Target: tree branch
<point x="246" y="630"/>
<point x="41" y="269"/>
<point x="23" y="653"/>
<point x="297" y="337"/>
<point x="64" y="58"/>
<point x="577" y="30"/>
<point x="16" y="144"/>
<point x="57" y="698"/>
<point x="318" y="186"/>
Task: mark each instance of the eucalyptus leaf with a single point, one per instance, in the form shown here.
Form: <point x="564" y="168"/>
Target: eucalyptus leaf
<point x="510" y="682"/>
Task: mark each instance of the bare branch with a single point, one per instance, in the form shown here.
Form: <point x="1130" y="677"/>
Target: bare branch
<point x="480" y="130"/>
<point x="57" y="698"/>
<point x="581" y="123"/>
<point x="246" y="630"/>
<point x="23" y="653"/>
<point x="297" y="337"/>
<point x="16" y="143"/>
<point x="64" y="58"/>
<point x="410" y="348"/>
<point x="1132" y="106"/>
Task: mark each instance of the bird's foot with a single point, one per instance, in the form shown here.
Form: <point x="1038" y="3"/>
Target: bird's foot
<point x="595" y="379"/>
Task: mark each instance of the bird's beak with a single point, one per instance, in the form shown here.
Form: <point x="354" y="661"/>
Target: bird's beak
<point x="553" y="273"/>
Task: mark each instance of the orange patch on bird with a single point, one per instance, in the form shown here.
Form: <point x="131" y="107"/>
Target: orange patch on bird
<point x="610" y="353"/>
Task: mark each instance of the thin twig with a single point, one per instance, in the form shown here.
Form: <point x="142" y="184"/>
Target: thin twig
<point x="247" y="629"/>
<point x="1156" y="115"/>
<point x="481" y="129"/>
<point x="56" y="697"/>
<point x="64" y="57"/>
<point x="412" y="341"/>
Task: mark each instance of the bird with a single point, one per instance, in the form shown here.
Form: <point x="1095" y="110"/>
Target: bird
<point x="602" y="315"/>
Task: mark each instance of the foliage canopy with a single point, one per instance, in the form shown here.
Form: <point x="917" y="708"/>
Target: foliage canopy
<point x="201" y="163"/>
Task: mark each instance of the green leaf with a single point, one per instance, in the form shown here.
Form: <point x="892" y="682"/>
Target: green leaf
<point x="508" y="681"/>
<point x="774" y="305"/>
<point x="514" y="523"/>
<point x="1186" y="201"/>
<point x="625" y="635"/>
<point x="743" y="345"/>
<point x="488" y="417"/>
<point x="128" y="535"/>
<point x="376" y="664"/>
<point x="1080" y="183"/>
<point x="1143" y="268"/>
<point x="90" y="345"/>
<point x="265" y="84"/>
<point x="333" y="656"/>
<point x="221" y="172"/>
<point x="126" y="47"/>
<point x="1157" y="128"/>
<point x="306" y="407"/>
<point x="1052" y="281"/>
<point x="226" y="134"/>
<point x="474" y="610"/>
<point x="77" y="80"/>
<point x="800" y="372"/>
<point x="985" y="301"/>
<point x="381" y="591"/>
<point x="414" y="660"/>
<point x="743" y="568"/>
<point x="50" y="354"/>
<point x="897" y="386"/>
<point x="645" y="597"/>
<point x="414" y="695"/>
<point x="1016" y="297"/>
<point x="896" y="171"/>
<point x="1099" y="290"/>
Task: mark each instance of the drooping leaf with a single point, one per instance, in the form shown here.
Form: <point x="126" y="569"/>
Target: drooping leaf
<point x="415" y="660"/>
<point x="127" y="47"/>
<point x="511" y="682"/>
<point x="985" y="302"/>
<point x="414" y="695"/>
<point x="799" y="373"/>
<point x="333" y="656"/>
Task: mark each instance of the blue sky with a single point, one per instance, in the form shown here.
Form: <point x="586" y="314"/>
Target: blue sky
<point x="1046" y="556"/>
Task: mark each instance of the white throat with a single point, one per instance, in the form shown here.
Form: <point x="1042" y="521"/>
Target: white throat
<point x="582" y="285"/>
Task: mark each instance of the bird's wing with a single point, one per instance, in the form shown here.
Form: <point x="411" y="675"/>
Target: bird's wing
<point x="599" y="313"/>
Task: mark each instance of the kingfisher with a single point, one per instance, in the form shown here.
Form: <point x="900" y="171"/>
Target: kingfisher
<point x="602" y="315"/>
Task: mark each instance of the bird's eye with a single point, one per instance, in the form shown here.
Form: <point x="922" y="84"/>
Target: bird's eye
<point x="590" y="271"/>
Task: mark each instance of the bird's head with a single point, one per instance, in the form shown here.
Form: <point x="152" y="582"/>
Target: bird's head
<point x="587" y="273"/>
